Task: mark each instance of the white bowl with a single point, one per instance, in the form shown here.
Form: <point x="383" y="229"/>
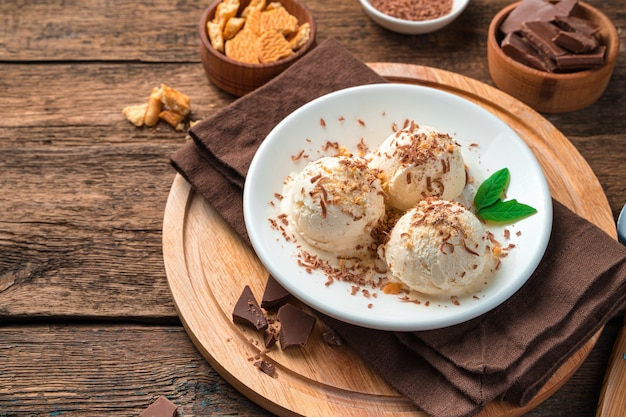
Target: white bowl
<point x="366" y="115"/>
<point x="409" y="27"/>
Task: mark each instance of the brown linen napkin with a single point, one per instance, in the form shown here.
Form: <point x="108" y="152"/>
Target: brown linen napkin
<point x="507" y="353"/>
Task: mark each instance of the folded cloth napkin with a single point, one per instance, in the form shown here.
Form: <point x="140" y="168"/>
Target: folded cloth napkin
<point x="507" y="353"/>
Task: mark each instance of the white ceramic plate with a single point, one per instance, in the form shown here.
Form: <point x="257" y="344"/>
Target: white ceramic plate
<point x="367" y="113"/>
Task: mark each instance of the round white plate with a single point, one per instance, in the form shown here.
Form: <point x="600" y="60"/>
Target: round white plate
<point x="368" y="113"/>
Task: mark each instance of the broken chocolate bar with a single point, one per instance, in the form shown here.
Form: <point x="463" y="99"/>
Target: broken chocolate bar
<point x="295" y="326"/>
<point x="576" y="42"/>
<point x="529" y="11"/>
<point x="540" y="35"/>
<point x="275" y="295"/>
<point x="521" y="51"/>
<point x="571" y="62"/>
<point x="162" y="407"/>
<point x="576" y="24"/>
<point x="566" y="7"/>
<point x="248" y="312"/>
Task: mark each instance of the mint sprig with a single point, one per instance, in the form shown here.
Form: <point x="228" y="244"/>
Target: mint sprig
<point x="489" y="202"/>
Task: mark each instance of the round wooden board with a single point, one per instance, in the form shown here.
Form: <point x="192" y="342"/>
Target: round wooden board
<point x="208" y="265"/>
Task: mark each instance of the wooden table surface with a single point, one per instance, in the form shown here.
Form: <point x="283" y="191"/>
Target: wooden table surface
<point x="87" y="321"/>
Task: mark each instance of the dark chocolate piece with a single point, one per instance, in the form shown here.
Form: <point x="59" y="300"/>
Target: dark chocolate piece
<point x="566" y="7"/>
<point x="269" y="340"/>
<point x="577" y="24"/>
<point x="571" y="62"/>
<point x="295" y="326"/>
<point x="162" y="407"/>
<point x="519" y="49"/>
<point x="540" y="35"/>
<point x="528" y="11"/>
<point x="332" y="338"/>
<point x="275" y="295"/>
<point x="266" y="367"/>
<point x="576" y="42"/>
<point x="248" y="312"/>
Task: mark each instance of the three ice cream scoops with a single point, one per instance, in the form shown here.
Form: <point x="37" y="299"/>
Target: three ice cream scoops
<point x="398" y="200"/>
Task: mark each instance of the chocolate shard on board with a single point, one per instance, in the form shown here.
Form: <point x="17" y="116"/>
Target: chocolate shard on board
<point x="275" y="295"/>
<point x="332" y="338"/>
<point x="528" y="11"/>
<point x="269" y="340"/>
<point x="577" y="24"/>
<point x="540" y="35"/>
<point x="295" y="326"/>
<point x="266" y="367"/>
<point x="571" y="62"/>
<point x="162" y="407"/>
<point x="577" y="42"/>
<point x="248" y="312"/>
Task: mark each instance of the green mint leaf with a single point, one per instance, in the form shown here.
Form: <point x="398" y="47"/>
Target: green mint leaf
<point x="492" y="189"/>
<point x="505" y="211"/>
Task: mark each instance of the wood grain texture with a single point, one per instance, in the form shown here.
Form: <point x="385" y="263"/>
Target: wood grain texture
<point x="83" y="192"/>
<point x="612" y="402"/>
<point x="208" y="265"/>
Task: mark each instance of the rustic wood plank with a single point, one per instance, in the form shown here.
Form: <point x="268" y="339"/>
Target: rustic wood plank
<point x="109" y="370"/>
<point x="87" y="239"/>
<point x="118" y="370"/>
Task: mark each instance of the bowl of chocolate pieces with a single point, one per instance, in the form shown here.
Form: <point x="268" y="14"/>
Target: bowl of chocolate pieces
<point x="555" y="56"/>
<point x="246" y="43"/>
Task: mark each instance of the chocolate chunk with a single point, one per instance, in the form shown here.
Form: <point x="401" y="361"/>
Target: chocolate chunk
<point x="248" y="312"/>
<point x="266" y="367"/>
<point x="162" y="407"/>
<point x="332" y="338"/>
<point x="577" y="24"/>
<point x="540" y="35"/>
<point x="274" y="295"/>
<point x="295" y="326"/>
<point x="576" y="42"/>
<point x="519" y="49"/>
<point x="566" y="7"/>
<point x="269" y="340"/>
<point x="528" y="11"/>
<point x="571" y="62"/>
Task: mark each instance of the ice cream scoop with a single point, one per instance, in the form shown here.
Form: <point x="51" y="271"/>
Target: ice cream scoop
<point x="418" y="162"/>
<point x="335" y="203"/>
<point x="439" y="247"/>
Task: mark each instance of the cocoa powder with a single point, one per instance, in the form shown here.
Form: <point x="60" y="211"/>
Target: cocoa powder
<point x="415" y="10"/>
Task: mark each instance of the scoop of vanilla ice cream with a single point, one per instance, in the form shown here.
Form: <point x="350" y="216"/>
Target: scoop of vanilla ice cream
<point x="439" y="247"/>
<point x="335" y="203"/>
<point x="418" y="162"/>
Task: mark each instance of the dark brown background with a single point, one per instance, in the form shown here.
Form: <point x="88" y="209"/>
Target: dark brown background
<point x="87" y="323"/>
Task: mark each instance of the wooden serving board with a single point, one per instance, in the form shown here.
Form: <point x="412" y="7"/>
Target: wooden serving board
<point x="208" y="265"/>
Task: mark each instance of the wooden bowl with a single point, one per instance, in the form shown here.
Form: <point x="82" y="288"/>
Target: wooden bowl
<point x="239" y="78"/>
<point x="553" y="92"/>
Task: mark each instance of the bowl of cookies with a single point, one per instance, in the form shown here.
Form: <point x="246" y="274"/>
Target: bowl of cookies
<point x="555" y="56"/>
<point x="246" y="43"/>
